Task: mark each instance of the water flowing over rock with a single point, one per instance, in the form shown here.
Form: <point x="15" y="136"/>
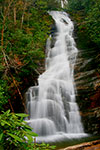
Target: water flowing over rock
<point x="53" y="111"/>
<point x="63" y="2"/>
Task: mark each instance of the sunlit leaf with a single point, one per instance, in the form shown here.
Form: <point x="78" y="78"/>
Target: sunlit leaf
<point x="15" y="137"/>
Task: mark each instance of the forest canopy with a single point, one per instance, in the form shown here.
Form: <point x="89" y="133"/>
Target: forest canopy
<point x="87" y="15"/>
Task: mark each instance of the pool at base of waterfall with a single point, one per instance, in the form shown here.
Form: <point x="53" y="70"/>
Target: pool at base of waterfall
<point x="62" y="140"/>
<point x="61" y="136"/>
<point x="60" y="145"/>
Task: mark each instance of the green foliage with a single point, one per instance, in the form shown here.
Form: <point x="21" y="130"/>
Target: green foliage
<point x="44" y="146"/>
<point x="48" y="5"/>
<point x="86" y="13"/>
<point x="14" y="130"/>
<point x="24" y="29"/>
<point x="16" y="134"/>
<point x="75" y="5"/>
<point x="92" y="23"/>
<point x="3" y="93"/>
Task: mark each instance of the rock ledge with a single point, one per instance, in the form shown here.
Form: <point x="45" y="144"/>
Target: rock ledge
<point x="85" y="146"/>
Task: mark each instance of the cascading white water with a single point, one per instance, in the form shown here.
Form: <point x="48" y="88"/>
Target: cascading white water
<point x="54" y="114"/>
<point x="63" y="3"/>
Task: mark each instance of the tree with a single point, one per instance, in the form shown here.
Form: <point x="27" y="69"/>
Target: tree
<point x="24" y="28"/>
<point x="86" y="13"/>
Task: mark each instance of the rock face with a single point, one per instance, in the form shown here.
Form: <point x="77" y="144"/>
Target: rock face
<point x="87" y="78"/>
<point x="95" y="145"/>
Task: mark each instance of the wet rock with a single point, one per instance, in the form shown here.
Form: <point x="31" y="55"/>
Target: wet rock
<point x="85" y="146"/>
<point x="87" y="79"/>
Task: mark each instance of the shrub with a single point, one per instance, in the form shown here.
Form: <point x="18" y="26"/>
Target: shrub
<point x="15" y="134"/>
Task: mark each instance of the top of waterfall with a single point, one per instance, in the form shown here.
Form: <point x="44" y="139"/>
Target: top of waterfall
<point x="63" y="2"/>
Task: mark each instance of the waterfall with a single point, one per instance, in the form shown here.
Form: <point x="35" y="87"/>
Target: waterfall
<point x="54" y="113"/>
<point x="63" y="3"/>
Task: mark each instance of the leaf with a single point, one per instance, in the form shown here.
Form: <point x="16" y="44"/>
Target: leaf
<point x="22" y="115"/>
<point x="5" y="122"/>
<point x="28" y="127"/>
<point x="29" y="138"/>
<point x="43" y="144"/>
<point x="31" y="133"/>
<point x="52" y="147"/>
<point x="2" y="123"/>
<point x="1" y="136"/>
<point x="15" y="137"/>
<point x="8" y="111"/>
